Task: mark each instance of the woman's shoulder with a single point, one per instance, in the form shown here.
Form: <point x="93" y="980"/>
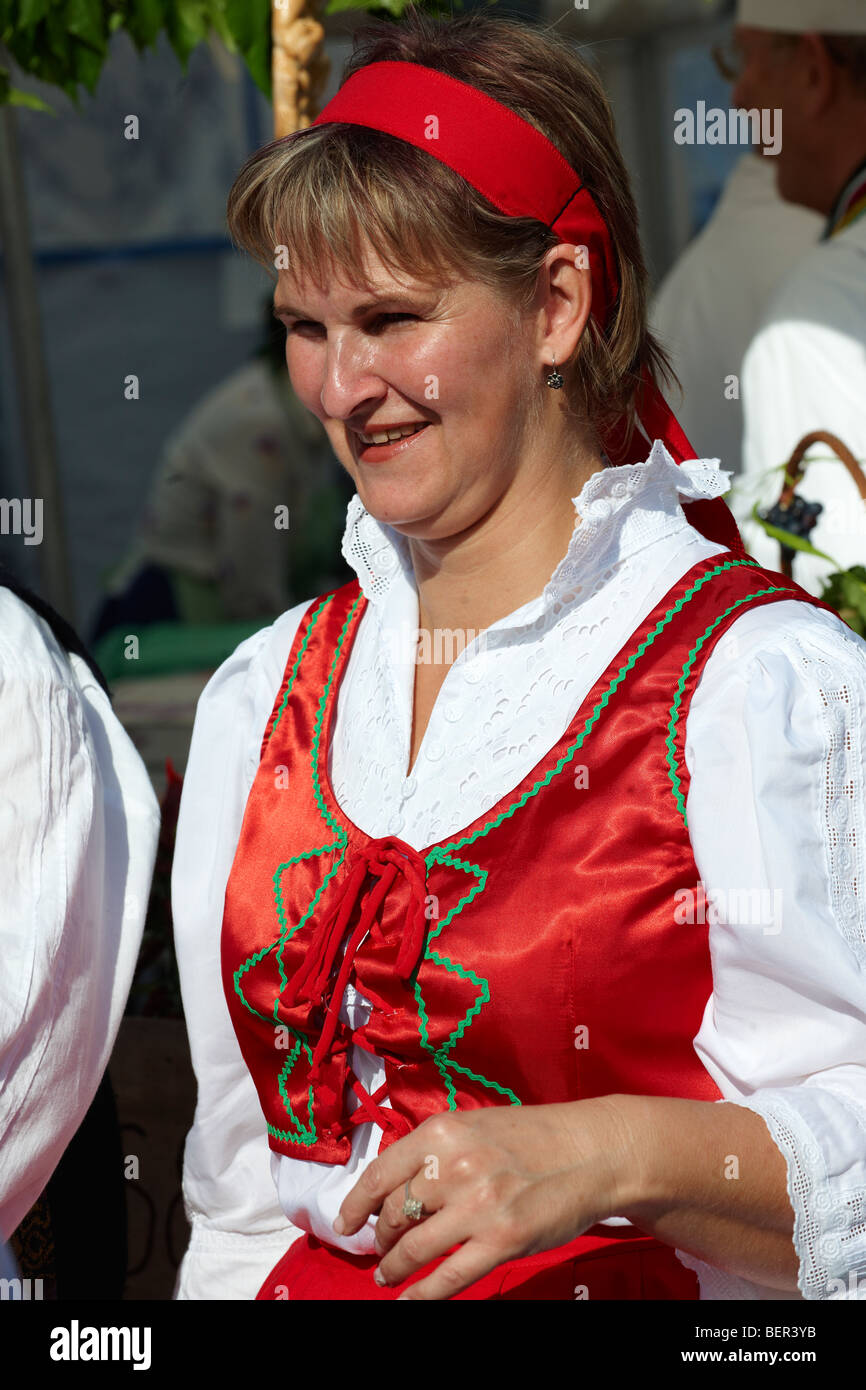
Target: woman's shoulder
<point x="251" y="676"/>
<point x="782" y="651"/>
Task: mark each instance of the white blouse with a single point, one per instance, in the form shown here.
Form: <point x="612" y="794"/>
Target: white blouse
<point x="79" y="824"/>
<point x="774" y="748"/>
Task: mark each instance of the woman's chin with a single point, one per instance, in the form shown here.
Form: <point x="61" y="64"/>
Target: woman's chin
<point x="401" y="507"/>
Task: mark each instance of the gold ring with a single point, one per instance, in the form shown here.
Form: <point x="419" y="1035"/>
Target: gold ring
<point x="413" y="1207"/>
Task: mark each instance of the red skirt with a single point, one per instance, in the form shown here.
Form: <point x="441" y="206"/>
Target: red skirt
<point x="591" y="1267"/>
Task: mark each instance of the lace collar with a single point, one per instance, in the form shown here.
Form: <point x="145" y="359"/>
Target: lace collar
<point x="619" y="512"/>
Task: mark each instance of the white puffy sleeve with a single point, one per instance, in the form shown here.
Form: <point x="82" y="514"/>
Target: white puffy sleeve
<point x="79" y="824"/>
<point x="239" y="1231"/>
<point x="777" y="817"/>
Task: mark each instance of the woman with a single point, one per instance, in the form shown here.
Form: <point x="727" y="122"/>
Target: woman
<point x="457" y="907"/>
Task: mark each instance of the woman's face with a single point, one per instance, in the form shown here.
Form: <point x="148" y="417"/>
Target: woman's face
<point x="411" y="353"/>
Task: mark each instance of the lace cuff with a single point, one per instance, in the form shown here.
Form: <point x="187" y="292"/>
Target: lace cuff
<point x="822" y="1136"/>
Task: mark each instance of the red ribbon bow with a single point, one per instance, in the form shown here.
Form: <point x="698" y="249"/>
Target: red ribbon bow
<point x="384" y="858"/>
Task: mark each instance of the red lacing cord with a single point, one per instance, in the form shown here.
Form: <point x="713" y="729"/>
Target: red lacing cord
<point x="370" y="1110"/>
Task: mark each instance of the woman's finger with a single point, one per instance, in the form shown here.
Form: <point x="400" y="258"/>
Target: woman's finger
<point x="387" y="1173"/>
<point x="465" y="1266"/>
<point x="393" y="1221"/>
<point x="424" y="1241"/>
<point x="426" y="1149"/>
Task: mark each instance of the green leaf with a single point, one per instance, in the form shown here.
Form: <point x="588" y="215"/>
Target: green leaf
<point x="48" y="69"/>
<point x="186" y="25"/>
<point x="788" y="538"/>
<point x="88" y="66"/>
<point x="221" y="27"/>
<point x="85" y="19"/>
<point x="853" y="590"/>
<point x="250" y="24"/>
<point x="70" y="87"/>
<point x="392" y="7"/>
<point x="244" y="19"/>
<point x="146" y="18"/>
<point x="57" y="40"/>
<point x="846" y="592"/>
<point x="15" y="97"/>
<point x="30" y="12"/>
<point x="25" y="47"/>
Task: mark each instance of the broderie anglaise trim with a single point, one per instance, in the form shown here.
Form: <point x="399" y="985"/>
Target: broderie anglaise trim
<point x="376" y="551"/>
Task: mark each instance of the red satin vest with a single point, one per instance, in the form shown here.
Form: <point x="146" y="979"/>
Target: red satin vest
<point x="536" y="956"/>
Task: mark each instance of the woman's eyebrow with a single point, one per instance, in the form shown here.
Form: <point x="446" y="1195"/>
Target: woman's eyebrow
<point x="280" y="307"/>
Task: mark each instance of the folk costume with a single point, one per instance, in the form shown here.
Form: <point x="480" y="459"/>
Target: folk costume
<point x="521" y="920"/>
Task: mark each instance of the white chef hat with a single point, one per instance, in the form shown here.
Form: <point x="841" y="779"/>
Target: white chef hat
<point x="804" y="16"/>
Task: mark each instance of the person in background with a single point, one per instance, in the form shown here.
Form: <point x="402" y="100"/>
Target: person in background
<point x="805" y="369"/>
<point x="710" y="303"/>
<point x="78" y="832"/>
<point x="247" y="499"/>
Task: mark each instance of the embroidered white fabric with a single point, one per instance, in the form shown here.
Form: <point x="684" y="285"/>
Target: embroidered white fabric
<point x="504" y="691"/>
<point x="773" y="751"/>
<point x="829" y="1207"/>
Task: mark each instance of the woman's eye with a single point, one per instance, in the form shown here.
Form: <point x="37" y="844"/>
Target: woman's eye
<point x="379" y="319"/>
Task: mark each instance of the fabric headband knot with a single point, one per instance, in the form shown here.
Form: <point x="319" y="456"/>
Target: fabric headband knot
<point x="522" y="173"/>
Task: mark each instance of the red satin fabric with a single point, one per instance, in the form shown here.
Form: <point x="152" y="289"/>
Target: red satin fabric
<point x="591" y="1268"/>
<point x="536" y="957"/>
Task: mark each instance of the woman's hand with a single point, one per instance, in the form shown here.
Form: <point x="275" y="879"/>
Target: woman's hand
<point x="506" y="1181"/>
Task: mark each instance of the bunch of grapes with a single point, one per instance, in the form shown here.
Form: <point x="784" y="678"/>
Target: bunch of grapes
<point x="798" y="517"/>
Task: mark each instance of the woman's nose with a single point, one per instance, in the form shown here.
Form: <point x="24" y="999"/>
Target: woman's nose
<point x="349" y="378"/>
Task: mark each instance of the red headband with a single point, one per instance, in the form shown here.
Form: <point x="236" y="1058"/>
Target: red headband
<point x="523" y="174"/>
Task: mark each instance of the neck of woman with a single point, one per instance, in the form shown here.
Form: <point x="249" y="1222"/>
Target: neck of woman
<point x="480" y="576"/>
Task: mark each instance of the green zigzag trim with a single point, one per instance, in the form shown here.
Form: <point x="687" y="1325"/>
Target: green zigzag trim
<point x="341" y="840"/>
<point x="441" y="855"/>
<point x="314" y="618"/>
<point x="440" y="1055"/>
<point x="670" y="741"/>
<point x="306" y="1134"/>
<point x="596" y="713"/>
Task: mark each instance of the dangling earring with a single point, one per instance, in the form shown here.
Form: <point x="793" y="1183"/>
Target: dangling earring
<point x="554" y="378"/>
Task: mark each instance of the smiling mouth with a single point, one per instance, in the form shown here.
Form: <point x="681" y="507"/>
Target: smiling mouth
<point x="389" y="436"/>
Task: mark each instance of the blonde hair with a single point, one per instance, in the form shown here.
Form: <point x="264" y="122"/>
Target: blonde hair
<point x="323" y="191"/>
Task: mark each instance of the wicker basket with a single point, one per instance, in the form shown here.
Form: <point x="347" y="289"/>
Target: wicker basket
<point x="794" y="471"/>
